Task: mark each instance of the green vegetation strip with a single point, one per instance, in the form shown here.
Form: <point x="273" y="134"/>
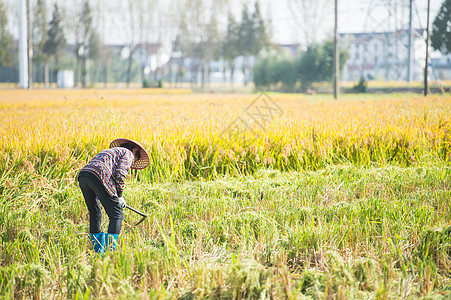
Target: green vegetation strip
<point x="342" y="232"/>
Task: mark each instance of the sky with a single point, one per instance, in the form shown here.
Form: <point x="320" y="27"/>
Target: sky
<point x="353" y="16"/>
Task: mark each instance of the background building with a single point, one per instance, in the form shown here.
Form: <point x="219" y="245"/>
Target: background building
<point x="383" y="55"/>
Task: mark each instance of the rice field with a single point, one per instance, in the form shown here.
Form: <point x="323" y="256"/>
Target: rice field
<point x="248" y="196"/>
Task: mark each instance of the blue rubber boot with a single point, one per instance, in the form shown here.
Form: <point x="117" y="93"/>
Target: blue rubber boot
<point x="98" y="242"/>
<point x="111" y="241"/>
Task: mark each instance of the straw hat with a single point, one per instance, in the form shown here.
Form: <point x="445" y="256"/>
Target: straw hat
<point x="143" y="161"/>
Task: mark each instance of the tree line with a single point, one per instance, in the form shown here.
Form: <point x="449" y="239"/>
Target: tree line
<point x="72" y="36"/>
<point x="48" y="41"/>
<point x="198" y="37"/>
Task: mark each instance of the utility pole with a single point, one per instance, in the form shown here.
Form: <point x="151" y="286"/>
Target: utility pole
<point x="30" y="48"/>
<point x="23" y="49"/>
<point x="336" y="54"/>
<point x="426" y="64"/>
<point x="409" y="47"/>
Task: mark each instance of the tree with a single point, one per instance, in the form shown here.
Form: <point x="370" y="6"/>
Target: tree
<point x="307" y="66"/>
<point x="101" y="52"/>
<point x="198" y="37"/>
<point x="55" y="42"/>
<point x="210" y="48"/>
<point x="39" y="37"/>
<point x="272" y="69"/>
<point x="246" y="39"/>
<point x="139" y="23"/>
<point x="230" y="45"/>
<point x="261" y="37"/>
<point x="87" y="43"/>
<point x="284" y="72"/>
<point x="192" y="29"/>
<point x="150" y="22"/>
<point x="316" y="64"/>
<point x="262" y="69"/>
<point x="309" y="14"/>
<point x="5" y="39"/>
<point x="94" y="49"/>
<point x="441" y="33"/>
<point x="178" y="54"/>
<point x="252" y="36"/>
<point x="105" y="61"/>
<point x="213" y="45"/>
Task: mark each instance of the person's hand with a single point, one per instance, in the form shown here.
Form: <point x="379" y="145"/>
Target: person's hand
<point x="122" y="202"/>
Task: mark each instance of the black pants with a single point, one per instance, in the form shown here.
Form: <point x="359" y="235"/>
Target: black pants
<point x="93" y="191"/>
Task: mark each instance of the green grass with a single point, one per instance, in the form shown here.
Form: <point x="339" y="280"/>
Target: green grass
<point x="342" y="232"/>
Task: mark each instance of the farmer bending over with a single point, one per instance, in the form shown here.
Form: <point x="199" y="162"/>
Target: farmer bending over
<point x="103" y="178"/>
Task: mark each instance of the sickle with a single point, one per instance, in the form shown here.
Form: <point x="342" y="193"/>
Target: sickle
<point x="144" y="216"/>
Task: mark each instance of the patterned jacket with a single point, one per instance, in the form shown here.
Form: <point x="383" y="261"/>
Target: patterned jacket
<point x="111" y="167"/>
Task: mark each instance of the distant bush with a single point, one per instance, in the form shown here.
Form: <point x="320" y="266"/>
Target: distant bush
<point x="148" y="84"/>
<point x="361" y="86"/>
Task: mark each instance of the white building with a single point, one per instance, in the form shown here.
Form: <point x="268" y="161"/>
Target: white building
<point x="440" y="67"/>
<point x="382" y="55"/>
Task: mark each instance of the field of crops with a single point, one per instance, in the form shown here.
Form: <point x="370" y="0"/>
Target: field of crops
<point x="248" y="195"/>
